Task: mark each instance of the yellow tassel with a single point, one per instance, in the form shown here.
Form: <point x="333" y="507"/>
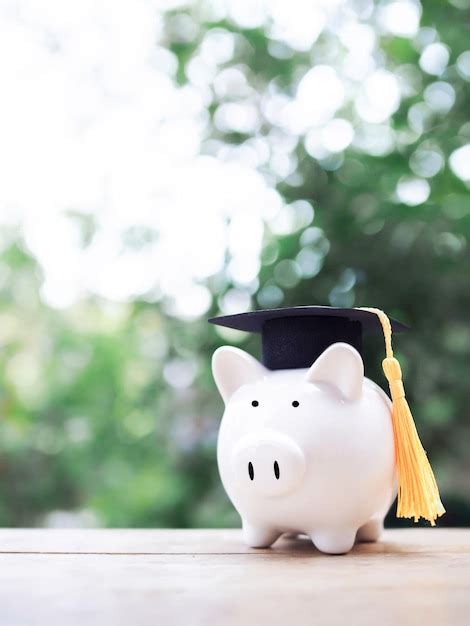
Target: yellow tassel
<point x="418" y="494"/>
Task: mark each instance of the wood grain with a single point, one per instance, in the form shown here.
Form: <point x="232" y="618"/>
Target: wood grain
<point x="207" y="577"/>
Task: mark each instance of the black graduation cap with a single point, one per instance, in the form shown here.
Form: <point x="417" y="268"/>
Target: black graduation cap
<point x="294" y="337"/>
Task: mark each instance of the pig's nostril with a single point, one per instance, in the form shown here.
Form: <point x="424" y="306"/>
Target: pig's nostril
<point x="276" y="470"/>
<point x="251" y="471"/>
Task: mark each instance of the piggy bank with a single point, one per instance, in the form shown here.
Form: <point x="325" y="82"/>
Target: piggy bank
<point x="305" y="450"/>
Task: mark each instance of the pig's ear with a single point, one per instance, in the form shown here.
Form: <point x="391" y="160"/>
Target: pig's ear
<point x="340" y="366"/>
<point x="232" y="368"/>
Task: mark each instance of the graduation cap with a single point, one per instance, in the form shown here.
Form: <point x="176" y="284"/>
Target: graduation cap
<point x="294" y="337"/>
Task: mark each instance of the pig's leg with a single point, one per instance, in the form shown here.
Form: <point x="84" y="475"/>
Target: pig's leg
<point x="257" y="537"/>
<point x="371" y="530"/>
<point x="334" y="541"/>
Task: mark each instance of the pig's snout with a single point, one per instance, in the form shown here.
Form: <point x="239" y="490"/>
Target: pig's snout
<point x="269" y="464"/>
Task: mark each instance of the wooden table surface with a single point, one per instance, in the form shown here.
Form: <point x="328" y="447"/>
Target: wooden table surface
<point x="208" y="578"/>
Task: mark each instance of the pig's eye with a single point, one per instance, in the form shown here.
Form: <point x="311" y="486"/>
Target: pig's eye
<point x="255" y="403"/>
<point x="295" y="403"/>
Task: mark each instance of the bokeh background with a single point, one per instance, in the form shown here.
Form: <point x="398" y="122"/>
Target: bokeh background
<point x="161" y="162"/>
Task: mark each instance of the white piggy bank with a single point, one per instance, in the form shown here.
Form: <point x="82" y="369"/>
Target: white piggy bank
<point x="305" y="450"/>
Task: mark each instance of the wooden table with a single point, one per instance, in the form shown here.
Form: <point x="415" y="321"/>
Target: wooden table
<point x="208" y="578"/>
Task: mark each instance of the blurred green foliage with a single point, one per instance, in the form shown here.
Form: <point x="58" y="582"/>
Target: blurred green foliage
<point x="111" y="409"/>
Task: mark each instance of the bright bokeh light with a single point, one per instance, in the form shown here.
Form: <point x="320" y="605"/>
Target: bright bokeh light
<point x="440" y="96"/>
<point x="434" y="59"/>
<point x="379" y="98"/>
<point x="375" y="139"/>
<point x="337" y="135"/>
<point x="463" y="65"/>
<point x="247" y="13"/>
<point x="459" y="162"/>
<point x="298" y="23"/>
<point x="426" y="161"/>
<point x="319" y="95"/>
<point x="400" y="18"/>
<point x="413" y="191"/>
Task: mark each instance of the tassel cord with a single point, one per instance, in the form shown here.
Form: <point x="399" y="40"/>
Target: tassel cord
<point x="418" y="494"/>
